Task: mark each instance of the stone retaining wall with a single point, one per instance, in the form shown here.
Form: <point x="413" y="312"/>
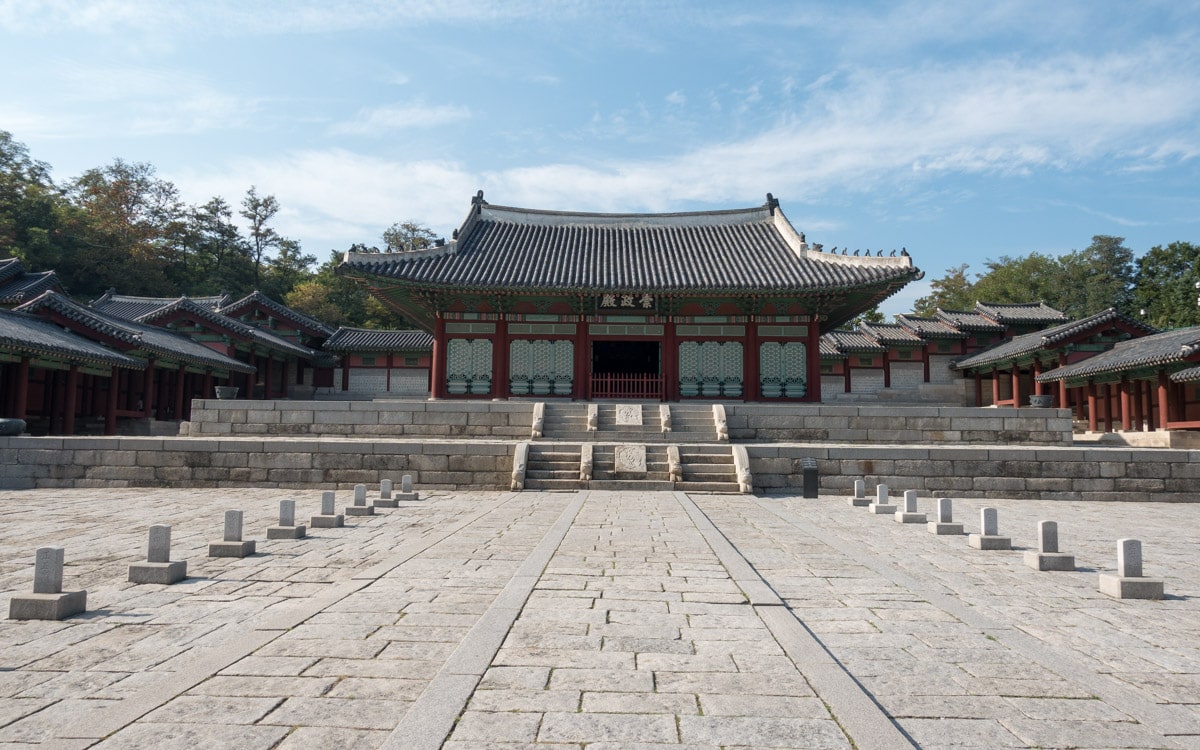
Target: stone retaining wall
<point x="498" y="419"/>
<point x="27" y="462"/>
<point x="903" y="425"/>
<point x="1091" y="473"/>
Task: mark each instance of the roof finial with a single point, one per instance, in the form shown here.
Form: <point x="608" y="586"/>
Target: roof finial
<point x="773" y="204"/>
<point x="478" y="199"/>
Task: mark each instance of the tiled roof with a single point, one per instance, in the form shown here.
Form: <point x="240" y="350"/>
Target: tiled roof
<point x="969" y="321"/>
<point x="22" y="332"/>
<point x="929" y="328"/>
<point x="516" y="248"/>
<point x="1031" y="342"/>
<point x="1190" y="375"/>
<point x="1148" y="351"/>
<point x="10" y="267"/>
<point x="201" y="310"/>
<point x="1021" y="313"/>
<point x="367" y="340"/>
<point x="827" y="348"/>
<point x="144" y="336"/>
<point x="15" y="289"/>
<point x="132" y="308"/>
<point x="889" y="333"/>
<point x="848" y="341"/>
<point x="302" y="321"/>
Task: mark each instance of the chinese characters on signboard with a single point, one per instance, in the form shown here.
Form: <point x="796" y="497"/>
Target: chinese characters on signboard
<point x="627" y="301"/>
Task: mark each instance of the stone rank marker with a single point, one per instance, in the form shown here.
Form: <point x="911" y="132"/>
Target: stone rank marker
<point x="1048" y="557"/>
<point x="910" y="513"/>
<point x="881" y="507"/>
<point x="360" y="507"/>
<point x="287" y="528"/>
<point x="158" y="567"/>
<point x="944" y="525"/>
<point x="859" y="499"/>
<point x="385" y="495"/>
<point x="406" y="489"/>
<point x="1128" y="583"/>
<point x="328" y="518"/>
<point x="990" y="538"/>
<point x="232" y="545"/>
<point x="48" y="601"/>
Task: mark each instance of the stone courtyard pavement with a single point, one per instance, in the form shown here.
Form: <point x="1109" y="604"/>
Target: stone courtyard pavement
<point x="597" y="620"/>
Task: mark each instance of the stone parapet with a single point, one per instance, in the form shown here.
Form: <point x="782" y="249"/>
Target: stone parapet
<point x="385" y="418"/>
<point x="905" y="425"/>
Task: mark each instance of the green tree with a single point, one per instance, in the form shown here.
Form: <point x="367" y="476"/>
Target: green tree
<point x="339" y="300"/>
<point x="954" y="291"/>
<point x="1165" y="285"/>
<point x="259" y="210"/>
<point x="132" y="228"/>
<point x="1028" y="278"/>
<point x="406" y="236"/>
<point x="221" y="257"/>
<point x="287" y="269"/>
<point x="1095" y="278"/>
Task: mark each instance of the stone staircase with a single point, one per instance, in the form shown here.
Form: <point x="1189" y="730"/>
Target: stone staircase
<point x="555" y="466"/>
<point x="568" y="422"/>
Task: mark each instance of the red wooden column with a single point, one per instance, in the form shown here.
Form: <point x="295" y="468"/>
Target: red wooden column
<point x="387" y="375"/>
<point x="180" y="378"/>
<point x="1148" y="406"/>
<point x="110" y="407"/>
<point x="582" y="377"/>
<point x="251" y="377"/>
<point x="148" y="389"/>
<point x="500" y="360"/>
<point x="995" y="386"/>
<point x="1037" y="370"/>
<point x="1163" y="403"/>
<point x="346" y="372"/>
<point x="1108" y="408"/>
<point x="670" y="361"/>
<point x="21" y="403"/>
<point x="1136" y="398"/>
<point x="268" y="376"/>
<point x="72" y="400"/>
<point x="1091" y="403"/>
<point x="1126" y="404"/>
<point x="925" y="360"/>
<point x="1015" y="377"/>
<point x="438" y="365"/>
<point x="846" y="382"/>
<point x="206" y="390"/>
<point x="752" y="388"/>
<point x="283" y="378"/>
<point x="1064" y="400"/>
<point x="978" y="389"/>
<point x="887" y="371"/>
<point x="813" y="360"/>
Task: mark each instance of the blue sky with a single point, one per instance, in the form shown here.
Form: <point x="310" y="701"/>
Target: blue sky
<point x="961" y="131"/>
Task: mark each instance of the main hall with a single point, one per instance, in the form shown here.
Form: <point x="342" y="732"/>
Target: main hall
<point x="672" y="306"/>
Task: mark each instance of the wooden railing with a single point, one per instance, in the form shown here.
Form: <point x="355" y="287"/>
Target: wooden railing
<point x="626" y="385"/>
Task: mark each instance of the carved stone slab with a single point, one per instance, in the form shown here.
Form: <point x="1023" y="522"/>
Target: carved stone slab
<point x="631" y="458"/>
<point x="629" y="414"/>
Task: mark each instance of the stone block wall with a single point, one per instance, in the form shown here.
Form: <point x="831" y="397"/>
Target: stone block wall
<point x="436" y="419"/>
<point x="897" y="425"/>
<point x="1046" y="473"/>
<point x="27" y="462"/>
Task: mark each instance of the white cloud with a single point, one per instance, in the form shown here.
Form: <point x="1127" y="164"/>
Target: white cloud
<point x="677" y="98"/>
<point x="386" y="119"/>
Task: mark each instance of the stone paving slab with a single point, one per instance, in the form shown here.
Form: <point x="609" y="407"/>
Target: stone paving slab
<point x="598" y="620"/>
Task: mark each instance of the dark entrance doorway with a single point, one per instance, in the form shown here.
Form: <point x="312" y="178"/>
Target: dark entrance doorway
<point x="626" y="369"/>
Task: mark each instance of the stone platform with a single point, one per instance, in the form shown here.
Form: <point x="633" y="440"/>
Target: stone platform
<point x="597" y="620"/>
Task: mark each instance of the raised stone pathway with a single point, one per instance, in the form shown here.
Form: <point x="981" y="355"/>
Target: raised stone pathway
<point x="597" y="620"/>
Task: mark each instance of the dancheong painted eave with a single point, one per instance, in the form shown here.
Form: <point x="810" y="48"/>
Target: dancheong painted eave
<point x="734" y="251"/>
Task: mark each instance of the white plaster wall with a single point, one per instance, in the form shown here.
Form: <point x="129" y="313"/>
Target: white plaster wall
<point x="866" y="381"/>
<point x="907" y="375"/>
<point x="939" y="369"/>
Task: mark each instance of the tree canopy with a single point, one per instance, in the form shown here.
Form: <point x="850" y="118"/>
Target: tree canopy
<point x="122" y="226"/>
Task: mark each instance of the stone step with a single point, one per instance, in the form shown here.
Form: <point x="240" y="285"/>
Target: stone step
<point x="555" y="484"/>
<point x="716" y="488"/>
<point x="645" y="485"/>
<point x="552" y="473"/>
